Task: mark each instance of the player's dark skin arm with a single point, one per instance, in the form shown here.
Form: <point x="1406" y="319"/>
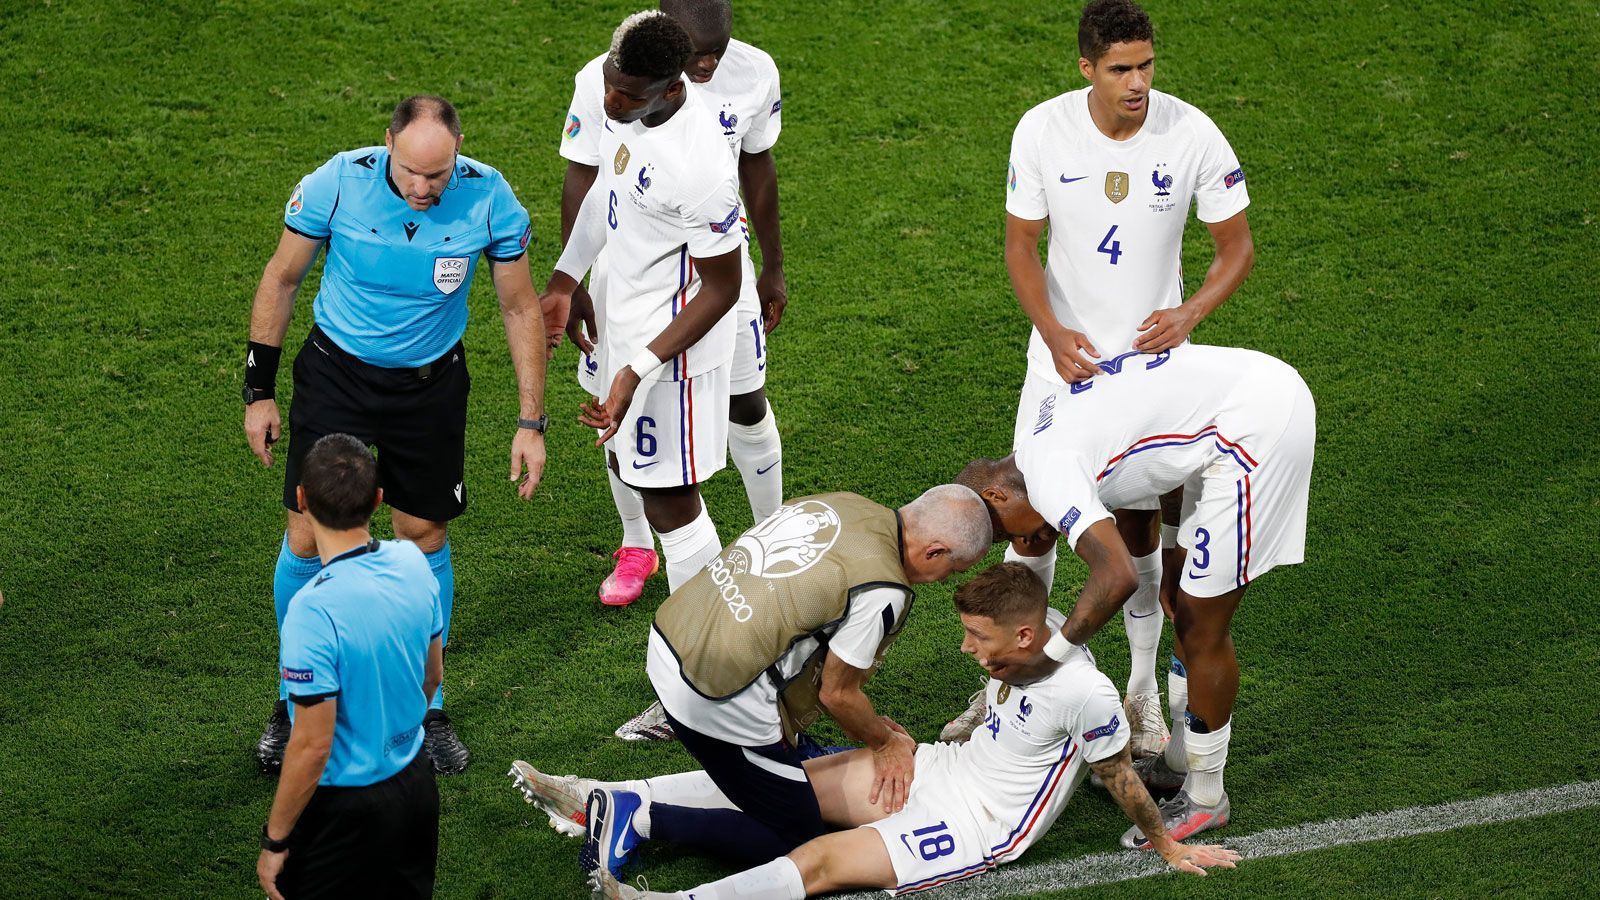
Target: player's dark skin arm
<point x="269" y="322"/>
<point x="1070" y="349"/>
<point x="1124" y="786"/>
<point x="303" y="761"/>
<point x="719" y="290"/>
<point x="574" y="187"/>
<point x="758" y="177"/>
<point x="1235" y="256"/>
<point x="1110" y="583"/>
<point x="893" y="751"/>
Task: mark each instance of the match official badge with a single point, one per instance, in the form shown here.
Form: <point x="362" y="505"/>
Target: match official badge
<point x="620" y="163"/>
<point x="449" y="272"/>
<point x="298" y="200"/>
<point x="1116" y="186"/>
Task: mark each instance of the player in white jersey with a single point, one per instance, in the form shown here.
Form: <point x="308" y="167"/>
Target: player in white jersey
<point x="666" y="203"/>
<point x="973" y="806"/>
<point x="1236" y="429"/>
<point x="739" y="86"/>
<point x="1112" y="169"/>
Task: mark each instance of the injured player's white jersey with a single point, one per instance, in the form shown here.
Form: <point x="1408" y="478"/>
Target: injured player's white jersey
<point x="1024" y="761"/>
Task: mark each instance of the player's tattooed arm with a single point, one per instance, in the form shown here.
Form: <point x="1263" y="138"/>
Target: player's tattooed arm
<point x="1124" y="786"/>
<point x="1110" y="583"/>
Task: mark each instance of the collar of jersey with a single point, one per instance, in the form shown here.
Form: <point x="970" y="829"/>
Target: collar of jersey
<point x="369" y="547"/>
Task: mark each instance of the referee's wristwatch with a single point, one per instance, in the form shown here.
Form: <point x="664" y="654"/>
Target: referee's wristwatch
<point x="539" y="424"/>
<point x="270" y="845"/>
<point x="252" y="394"/>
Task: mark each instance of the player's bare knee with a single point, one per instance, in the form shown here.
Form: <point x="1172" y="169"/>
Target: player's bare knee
<point x="429" y="536"/>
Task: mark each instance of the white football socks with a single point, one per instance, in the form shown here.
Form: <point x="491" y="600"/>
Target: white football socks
<point x="689" y="549"/>
<point x="1177" y="702"/>
<point x="1042" y="566"/>
<point x="630" y="509"/>
<point x="1208" y="755"/>
<point x="777" y="880"/>
<point x="758" y="454"/>
<point x="1142" y="618"/>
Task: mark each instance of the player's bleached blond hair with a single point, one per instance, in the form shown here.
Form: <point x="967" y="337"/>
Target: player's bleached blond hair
<point x="650" y="44"/>
<point x="956" y="517"/>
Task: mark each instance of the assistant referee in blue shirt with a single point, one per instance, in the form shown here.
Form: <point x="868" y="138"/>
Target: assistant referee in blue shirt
<point x="404" y="225"/>
<point x="357" y="810"/>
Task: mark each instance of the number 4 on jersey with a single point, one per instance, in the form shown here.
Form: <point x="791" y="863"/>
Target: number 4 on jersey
<point x="1109" y="247"/>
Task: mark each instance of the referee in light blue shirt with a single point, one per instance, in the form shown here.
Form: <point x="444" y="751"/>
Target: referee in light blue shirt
<point x="357" y="810"/>
<point x="404" y="225"/>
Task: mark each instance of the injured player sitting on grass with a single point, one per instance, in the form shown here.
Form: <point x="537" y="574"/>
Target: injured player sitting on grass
<point x="972" y="806"/>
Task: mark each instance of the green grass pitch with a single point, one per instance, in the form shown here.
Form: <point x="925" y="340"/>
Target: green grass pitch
<point x="1424" y="186"/>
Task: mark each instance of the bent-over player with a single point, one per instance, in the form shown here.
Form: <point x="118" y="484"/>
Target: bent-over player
<point x="1237" y="430"/>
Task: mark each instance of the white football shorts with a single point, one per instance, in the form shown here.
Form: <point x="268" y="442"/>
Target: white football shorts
<point x="676" y="432"/>
<point x="750" y="339"/>
<point x="591" y="366"/>
<point x="941" y="835"/>
<point x="1246" y="513"/>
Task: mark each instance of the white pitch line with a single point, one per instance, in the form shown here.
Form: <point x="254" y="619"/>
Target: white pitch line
<point x="1106" y="868"/>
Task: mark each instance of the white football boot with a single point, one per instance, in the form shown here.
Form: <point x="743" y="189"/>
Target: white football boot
<point x="650" y="725"/>
<point x="959" y="730"/>
<point x="1148" y="720"/>
<point x="561" y="797"/>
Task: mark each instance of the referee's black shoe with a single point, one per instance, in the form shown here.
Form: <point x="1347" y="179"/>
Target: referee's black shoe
<point x="269" y="749"/>
<point x="439" y="741"/>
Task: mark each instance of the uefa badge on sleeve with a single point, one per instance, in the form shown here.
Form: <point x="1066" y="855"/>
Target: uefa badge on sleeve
<point x="297" y="200"/>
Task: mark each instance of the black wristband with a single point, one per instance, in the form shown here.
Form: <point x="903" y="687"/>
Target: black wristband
<point x="270" y="845"/>
<point x="261" y="367"/>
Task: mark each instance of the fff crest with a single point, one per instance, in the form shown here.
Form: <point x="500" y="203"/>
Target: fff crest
<point x="1116" y="186"/>
<point x="620" y="163"/>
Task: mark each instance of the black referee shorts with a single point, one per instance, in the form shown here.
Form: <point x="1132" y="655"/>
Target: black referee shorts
<point x="416" y="419"/>
<point x="376" y="841"/>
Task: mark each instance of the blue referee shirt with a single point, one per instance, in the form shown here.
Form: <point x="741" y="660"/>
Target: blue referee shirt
<point x="360" y="632"/>
<point x="394" y="287"/>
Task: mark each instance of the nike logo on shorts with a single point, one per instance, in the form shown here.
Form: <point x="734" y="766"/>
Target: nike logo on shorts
<point x="647" y="465"/>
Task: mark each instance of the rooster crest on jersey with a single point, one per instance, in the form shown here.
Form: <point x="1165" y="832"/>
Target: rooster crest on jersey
<point x="789" y="542"/>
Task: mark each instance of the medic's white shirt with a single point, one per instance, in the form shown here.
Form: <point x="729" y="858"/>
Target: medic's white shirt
<point x="1116" y="211"/>
<point x="1021" y="765"/>
<point x="664" y="196"/>
<point x="1144" y="429"/>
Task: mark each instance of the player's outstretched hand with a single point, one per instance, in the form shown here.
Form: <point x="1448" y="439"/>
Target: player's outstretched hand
<point x="1196" y="858"/>
<point x="1166" y="328"/>
<point x="893" y="767"/>
<point x="555" y="307"/>
<point x="609" y="418"/>
<point x="593" y="414"/>
<point x="774" y="295"/>
<point x="1071" y="351"/>
<point x="262" y="428"/>
<point x="581" y="329"/>
<point x="527" y="451"/>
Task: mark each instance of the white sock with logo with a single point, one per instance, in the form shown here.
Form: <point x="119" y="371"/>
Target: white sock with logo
<point x="689" y="548"/>
<point x="1042" y="566"/>
<point x="1208" y="755"/>
<point x="1142" y="618"/>
<point x="777" y="880"/>
<point x="758" y="454"/>
<point x="1177" y="702"/>
<point x="693" y="789"/>
<point x="630" y="509"/>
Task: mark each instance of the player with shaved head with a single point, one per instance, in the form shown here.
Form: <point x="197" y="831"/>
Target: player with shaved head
<point x="404" y="225"/>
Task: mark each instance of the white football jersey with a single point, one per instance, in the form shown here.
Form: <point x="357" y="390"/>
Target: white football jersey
<point x="1022" y="764"/>
<point x="750" y="717"/>
<point x="670" y="195"/>
<point x="1144" y="427"/>
<point x="1116" y="211"/>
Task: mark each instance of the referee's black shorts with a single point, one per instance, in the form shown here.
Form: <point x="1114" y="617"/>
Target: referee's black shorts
<point x="376" y="841"/>
<point x="417" y="420"/>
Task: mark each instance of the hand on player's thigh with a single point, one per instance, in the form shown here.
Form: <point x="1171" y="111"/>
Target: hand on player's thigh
<point x="842" y="782"/>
